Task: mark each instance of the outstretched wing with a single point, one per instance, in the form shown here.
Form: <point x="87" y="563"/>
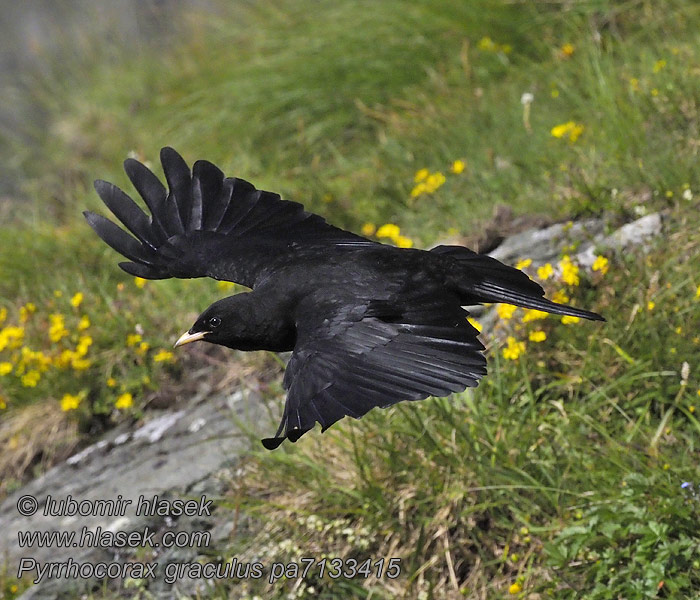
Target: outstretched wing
<point x="357" y="359"/>
<point x="206" y="224"/>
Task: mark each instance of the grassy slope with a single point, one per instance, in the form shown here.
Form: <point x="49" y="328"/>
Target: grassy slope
<point x="562" y="472"/>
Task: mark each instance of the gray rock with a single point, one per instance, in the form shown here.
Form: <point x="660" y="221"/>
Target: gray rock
<point x="175" y="454"/>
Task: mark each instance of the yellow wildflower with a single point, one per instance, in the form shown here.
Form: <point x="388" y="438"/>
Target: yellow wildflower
<point x="124" y="401"/>
<point x="64" y="358"/>
<point x="537" y="336"/>
<point x="143" y="348"/>
<point x="3" y="315"/>
<point x="545" y="271"/>
<point x="368" y="229"/>
<point x="514" y="349"/>
<point x="70" y="402"/>
<point x="57" y="293"/>
<point x="404" y="242"/>
<point x="76" y="300"/>
<point x="634" y="84"/>
<point x="389" y="230"/>
<point x="11" y="337"/>
<point x="655" y="92"/>
<point x="571" y="129"/>
<point x="697" y="292"/>
<point x="3" y="403"/>
<point x="5" y="368"/>
<point x="458" y="166"/>
<point x="600" y="264"/>
<point x="163" y="356"/>
<point x="560" y="297"/>
<point x="691" y="408"/>
<point x="111" y="382"/>
<point x="475" y="324"/>
<point x="515" y="588"/>
<point x="566" y="319"/>
<point x="555" y="93"/>
<point x="421" y="175"/>
<point x="434" y="181"/>
<point x="132" y="339"/>
<point x="505" y="311"/>
<point x="650" y="305"/>
<point x="80" y="364"/>
<point x="532" y="314"/>
<point x="139" y="281"/>
<point x="567" y="49"/>
<point x="57" y="327"/>
<point x="84" y="323"/>
<point x="569" y="271"/>
<point x="84" y="342"/>
<point x="31" y="378"/>
<point x="418" y="189"/>
<point x="658" y="65"/>
<point x="523" y="264"/>
<point x="25" y="312"/>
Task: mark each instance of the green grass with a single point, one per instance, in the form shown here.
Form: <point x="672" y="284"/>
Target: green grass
<point x="562" y="472"/>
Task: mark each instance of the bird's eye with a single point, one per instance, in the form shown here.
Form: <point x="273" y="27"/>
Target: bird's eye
<point x="214" y="322"/>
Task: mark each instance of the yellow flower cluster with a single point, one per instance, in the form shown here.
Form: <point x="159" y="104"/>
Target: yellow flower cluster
<point x="513" y="348"/>
<point x="458" y="167"/>
<point x="393" y="232"/>
<point x="70" y="402"/>
<point x="11" y="337"/>
<point x="427" y="182"/>
<point x="537" y="336"/>
<point x="569" y="271"/>
<point x="124" y="401"/>
<point x="505" y="311"/>
<point x="26" y="311"/>
<point x="545" y="271"/>
<point x="77" y="300"/>
<point x="571" y="129"/>
<point x="600" y="264"/>
<point x="57" y="327"/>
<point x="163" y="356"/>
<point x="532" y="314"/>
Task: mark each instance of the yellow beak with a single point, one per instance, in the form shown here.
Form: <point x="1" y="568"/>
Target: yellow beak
<point x="187" y="337"/>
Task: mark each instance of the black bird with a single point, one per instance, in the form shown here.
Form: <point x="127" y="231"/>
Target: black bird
<point x="369" y="324"/>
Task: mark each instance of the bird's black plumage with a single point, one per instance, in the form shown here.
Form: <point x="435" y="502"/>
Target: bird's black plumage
<point x="369" y="324"/>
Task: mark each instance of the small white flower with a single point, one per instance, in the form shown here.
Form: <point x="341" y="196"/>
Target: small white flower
<point x="527" y="98"/>
<point x="687" y="194"/>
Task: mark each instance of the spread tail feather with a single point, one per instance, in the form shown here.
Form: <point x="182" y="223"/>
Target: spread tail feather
<point x="481" y="278"/>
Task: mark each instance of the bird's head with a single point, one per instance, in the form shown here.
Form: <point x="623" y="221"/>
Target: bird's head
<point x="228" y="322"/>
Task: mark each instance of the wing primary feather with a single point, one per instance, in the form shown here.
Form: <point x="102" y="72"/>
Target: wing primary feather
<point x="152" y="191"/>
<point x="127" y="211"/>
<point x="117" y="238"/>
<point x="177" y="173"/>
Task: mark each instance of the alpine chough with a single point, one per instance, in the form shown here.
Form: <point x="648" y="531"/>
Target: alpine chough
<point x="369" y="324"/>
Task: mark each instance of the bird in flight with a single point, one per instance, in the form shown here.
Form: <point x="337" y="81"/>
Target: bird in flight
<point x="369" y="324"/>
